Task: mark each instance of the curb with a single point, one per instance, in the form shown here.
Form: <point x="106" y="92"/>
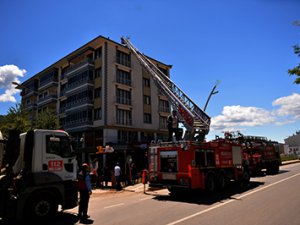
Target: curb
<point x="290" y="162"/>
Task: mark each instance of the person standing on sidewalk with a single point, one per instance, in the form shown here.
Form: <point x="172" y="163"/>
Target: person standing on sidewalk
<point x="85" y="190"/>
<point x="117" y="170"/>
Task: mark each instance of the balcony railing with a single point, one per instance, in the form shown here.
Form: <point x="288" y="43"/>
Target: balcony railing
<point x="78" y="123"/>
<point x="78" y="84"/>
<point x="50" y="81"/>
<point x="47" y="99"/>
<point x="78" y="66"/>
<point x="79" y="102"/>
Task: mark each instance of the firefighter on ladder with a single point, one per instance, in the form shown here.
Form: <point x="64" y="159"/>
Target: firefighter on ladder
<point x="172" y="123"/>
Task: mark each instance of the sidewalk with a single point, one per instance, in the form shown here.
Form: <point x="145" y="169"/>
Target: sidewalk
<point x="139" y="187"/>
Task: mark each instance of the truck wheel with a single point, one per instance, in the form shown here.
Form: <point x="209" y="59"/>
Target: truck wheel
<point x="174" y="191"/>
<point x="245" y="177"/>
<point x="43" y="206"/>
<point x="273" y="168"/>
<point x="210" y="182"/>
<point x="222" y="180"/>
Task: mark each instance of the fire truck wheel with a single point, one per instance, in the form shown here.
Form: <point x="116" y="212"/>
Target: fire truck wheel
<point x="175" y="191"/>
<point x="272" y="168"/>
<point x="222" y="180"/>
<point x="245" y="177"/>
<point x="43" y="206"/>
<point x="210" y="181"/>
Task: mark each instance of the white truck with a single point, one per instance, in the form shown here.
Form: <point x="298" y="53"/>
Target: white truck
<point x="40" y="179"/>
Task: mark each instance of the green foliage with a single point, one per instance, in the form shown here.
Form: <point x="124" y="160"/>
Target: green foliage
<point x="47" y="120"/>
<point x="16" y="119"/>
<point x="296" y="70"/>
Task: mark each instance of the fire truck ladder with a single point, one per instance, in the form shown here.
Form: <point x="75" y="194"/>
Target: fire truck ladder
<point x="194" y="119"/>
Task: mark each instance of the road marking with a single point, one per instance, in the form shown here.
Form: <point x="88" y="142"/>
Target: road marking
<point x="111" y="206"/>
<point x="232" y="200"/>
<point x="142" y="199"/>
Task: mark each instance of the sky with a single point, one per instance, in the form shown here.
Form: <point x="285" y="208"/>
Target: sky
<point x="245" y="46"/>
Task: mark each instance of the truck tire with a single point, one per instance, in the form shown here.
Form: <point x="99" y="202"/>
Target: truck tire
<point x="210" y="182"/>
<point x="245" y="177"/>
<point x="222" y="180"/>
<point x="273" y="168"/>
<point x="41" y="207"/>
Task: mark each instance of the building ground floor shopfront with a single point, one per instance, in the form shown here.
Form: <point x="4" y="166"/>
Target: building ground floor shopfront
<point x="128" y="148"/>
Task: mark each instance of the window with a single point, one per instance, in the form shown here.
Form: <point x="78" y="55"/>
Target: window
<point x="98" y="53"/>
<point x="163" y="122"/>
<point x="168" y="161"/>
<point x="98" y="92"/>
<point x="164" y="106"/>
<point x="146" y="82"/>
<point x="123" y="77"/>
<point x="147" y="100"/>
<point x="123" y="97"/>
<point x="124" y="117"/>
<point x="123" y="58"/>
<point x="125" y="136"/>
<point x="58" y="145"/>
<point x="98" y="114"/>
<point x="147" y="118"/>
<point x="98" y="72"/>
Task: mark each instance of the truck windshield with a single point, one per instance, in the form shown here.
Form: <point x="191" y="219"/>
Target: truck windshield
<point x="59" y="145"/>
<point x="168" y="161"/>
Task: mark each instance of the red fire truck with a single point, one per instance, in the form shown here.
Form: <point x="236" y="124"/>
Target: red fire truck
<point x="262" y="153"/>
<point x="192" y="164"/>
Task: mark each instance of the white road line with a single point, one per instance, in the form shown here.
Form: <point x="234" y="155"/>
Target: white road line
<point x="232" y="200"/>
<point x="142" y="199"/>
<point x="111" y="206"/>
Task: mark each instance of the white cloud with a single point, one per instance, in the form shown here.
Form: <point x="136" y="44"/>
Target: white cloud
<point x="289" y="106"/>
<point x="237" y="117"/>
<point x="234" y="117"/>
<point x="9" y="74"/>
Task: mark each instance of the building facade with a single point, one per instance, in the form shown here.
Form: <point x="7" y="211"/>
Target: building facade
<point x="293" y="143"/>
<point x="101" y="95"/>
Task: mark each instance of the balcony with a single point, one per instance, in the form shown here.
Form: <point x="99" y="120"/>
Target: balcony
<point x="78" y="85"/>
<point x="79" y="103"/>
<point x="78" y="124"/>
<point x="51" y="81"/>
<point x="82" y="66"/>
<point x="47" y="99"/>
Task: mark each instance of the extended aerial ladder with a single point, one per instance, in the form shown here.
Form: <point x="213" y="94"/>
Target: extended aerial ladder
<point x="193" y="118"/>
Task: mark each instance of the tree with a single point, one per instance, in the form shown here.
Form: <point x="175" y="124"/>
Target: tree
<point x="296" y="70"/>
<point x="47" y="120"/>
<point x="15" y="120"/>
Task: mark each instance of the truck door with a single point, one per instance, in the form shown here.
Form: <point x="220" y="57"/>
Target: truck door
<point x="58" y="157"/>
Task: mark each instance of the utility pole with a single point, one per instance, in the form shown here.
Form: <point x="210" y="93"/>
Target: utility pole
<point x="213" y="92"/>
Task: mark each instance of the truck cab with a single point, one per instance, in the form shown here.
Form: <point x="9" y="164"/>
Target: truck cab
<point x="42" y="178"/>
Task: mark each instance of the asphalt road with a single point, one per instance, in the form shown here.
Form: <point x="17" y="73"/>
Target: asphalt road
<point x="268" y="200"/>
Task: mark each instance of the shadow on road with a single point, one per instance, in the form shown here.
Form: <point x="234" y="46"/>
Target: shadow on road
<point x="62" y="218"/>
<point x="203" y="198"/>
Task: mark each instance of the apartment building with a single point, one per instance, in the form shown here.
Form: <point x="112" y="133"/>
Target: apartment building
<point x="101" y="94"/>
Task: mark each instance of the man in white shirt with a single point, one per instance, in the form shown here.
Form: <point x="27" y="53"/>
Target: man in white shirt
<point x="117" y="170"/>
